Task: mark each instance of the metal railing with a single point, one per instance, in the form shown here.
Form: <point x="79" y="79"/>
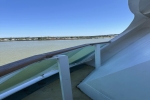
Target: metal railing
<point x="63" y="66"/>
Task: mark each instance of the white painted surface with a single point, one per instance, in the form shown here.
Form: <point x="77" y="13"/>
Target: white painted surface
<point x="64" y="74"/>
<point x="129" y="84"/>
<point x="125" y="70"/>
<point x="97" y="55"/>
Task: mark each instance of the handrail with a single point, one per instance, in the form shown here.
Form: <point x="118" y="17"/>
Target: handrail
<point x="8" y="68"/>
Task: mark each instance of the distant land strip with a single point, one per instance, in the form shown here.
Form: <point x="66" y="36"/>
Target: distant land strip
<point x="55" y="38"/>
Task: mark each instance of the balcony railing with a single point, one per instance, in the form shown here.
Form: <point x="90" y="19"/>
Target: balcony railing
<point x="21" y="74"/>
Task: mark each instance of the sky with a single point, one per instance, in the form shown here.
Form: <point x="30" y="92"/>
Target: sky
<point x="31" y="18"/>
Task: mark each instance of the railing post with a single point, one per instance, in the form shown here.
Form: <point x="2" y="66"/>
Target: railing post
<point x="64" y="74"/>
<point x="97" y="55"/>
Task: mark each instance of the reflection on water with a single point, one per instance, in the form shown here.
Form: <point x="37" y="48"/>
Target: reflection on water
<point x="13" y="51"/>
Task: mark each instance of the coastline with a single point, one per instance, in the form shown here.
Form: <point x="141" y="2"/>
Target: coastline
<point x="9" y="39"/>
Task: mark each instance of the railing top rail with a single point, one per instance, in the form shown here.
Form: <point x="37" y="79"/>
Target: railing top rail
<point x="8" y="68"/>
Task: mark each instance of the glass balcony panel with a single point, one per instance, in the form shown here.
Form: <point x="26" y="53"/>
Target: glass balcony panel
<point x="82" y="53"/>
<point x="28" y="73"/>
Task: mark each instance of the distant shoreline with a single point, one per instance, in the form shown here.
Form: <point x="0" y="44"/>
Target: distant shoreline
<point x="55" y="38"/>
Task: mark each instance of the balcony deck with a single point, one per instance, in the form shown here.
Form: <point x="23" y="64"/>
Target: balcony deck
<point x="52" y="91"/>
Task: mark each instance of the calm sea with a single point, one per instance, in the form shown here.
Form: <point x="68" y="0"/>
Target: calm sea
<point x="16" y="50"/>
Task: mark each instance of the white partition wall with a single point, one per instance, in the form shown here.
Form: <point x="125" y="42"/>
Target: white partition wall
<point x="125" y="69"/>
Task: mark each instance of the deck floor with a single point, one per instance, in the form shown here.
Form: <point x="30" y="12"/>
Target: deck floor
<point x="53" y="90"/>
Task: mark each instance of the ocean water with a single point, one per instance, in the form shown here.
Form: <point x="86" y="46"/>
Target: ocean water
<point x="16" y="50"/>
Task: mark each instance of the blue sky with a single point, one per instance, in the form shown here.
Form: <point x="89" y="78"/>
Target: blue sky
<point x="19" y="18"/>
